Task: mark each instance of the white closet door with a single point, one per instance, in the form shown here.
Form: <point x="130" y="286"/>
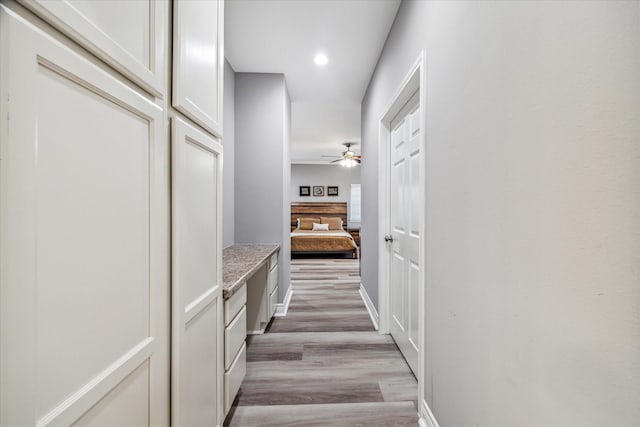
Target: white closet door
<point x="197" y="324"/>
<point x="198" y="61"/>
<point x="405" y="228"/>
<point x="128" y="35"/>
<point x="83" y="202"/>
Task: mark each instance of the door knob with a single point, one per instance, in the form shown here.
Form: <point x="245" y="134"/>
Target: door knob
<point x="388" y="238"/>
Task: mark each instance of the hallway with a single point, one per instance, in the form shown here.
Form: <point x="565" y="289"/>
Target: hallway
<point x="324" y="364"/>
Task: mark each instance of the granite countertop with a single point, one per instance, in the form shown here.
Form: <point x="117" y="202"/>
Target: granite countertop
<point x="241" y="261"/>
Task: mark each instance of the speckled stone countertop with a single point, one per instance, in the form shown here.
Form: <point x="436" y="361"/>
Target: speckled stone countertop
<point x="239" y="262"/>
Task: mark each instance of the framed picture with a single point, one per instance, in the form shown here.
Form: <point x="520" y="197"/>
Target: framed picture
<point x="318" y="190"/>
<point x="305" y="191"/>
<point x="332" y="191"/>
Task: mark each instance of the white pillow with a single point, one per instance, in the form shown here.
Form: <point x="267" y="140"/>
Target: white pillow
<point x="320" y="227"/>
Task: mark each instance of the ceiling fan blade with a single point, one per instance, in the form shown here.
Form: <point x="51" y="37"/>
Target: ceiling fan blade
<point x="336" y="161"/>
<point x="335" y="157"/>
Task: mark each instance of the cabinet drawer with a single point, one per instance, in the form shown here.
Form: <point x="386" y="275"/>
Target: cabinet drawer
<point x="273" y="261"/>
<point x="234" y="337"/>
<point x="233" y="305"/>
<point x="273" y="301"/>
<point x="233" y="378"/>
<point x="273" y="280"/>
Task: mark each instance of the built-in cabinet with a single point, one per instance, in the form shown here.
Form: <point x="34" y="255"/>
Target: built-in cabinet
<point x="130" y="37"/>
<point x="92" y="182"/>
<point x="235" y="334"/>
<point x="262" y="300"/>
<point x="196" y="288"/>
<point x="272" y="287"/>
<point x="198" y="61"/>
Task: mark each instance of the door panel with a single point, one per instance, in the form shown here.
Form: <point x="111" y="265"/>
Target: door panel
<point x="129" y="35"/>
<point x="198" y="61"/>
<point x="197" y="324"/>
<point x="83" y="207"/>
<point x="120" y="407"/>
<point x="405" y="228"/>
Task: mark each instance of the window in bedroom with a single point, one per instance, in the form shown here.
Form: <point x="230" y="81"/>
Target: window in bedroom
<point x="354" y="206"/>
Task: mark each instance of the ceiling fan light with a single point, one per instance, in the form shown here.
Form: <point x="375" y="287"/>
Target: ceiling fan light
<point x="348" y="162"/>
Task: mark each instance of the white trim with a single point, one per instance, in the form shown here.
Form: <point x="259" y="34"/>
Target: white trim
<point x="415" y="80"/>
<point x="281" y="309"/>
<point x="427" y="419"/>
<point x="373" y="313"/>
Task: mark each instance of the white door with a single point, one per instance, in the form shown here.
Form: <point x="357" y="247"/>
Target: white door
<point x="405" y="215"/>
<point x="83" y="229"/>
<point x="197" y="325"/>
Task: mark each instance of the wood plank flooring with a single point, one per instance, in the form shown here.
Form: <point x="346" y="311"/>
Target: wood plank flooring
<point x="324" y="364"/>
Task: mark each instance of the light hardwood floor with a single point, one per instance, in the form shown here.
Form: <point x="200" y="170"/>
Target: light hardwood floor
<point x="324" y="364"/>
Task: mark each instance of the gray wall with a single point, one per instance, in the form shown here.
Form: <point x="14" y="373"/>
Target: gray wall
<point x="285" y="253"/>
<point x="228" y="200"/>
<point x="262" y="146"/>
<point x="533" y="207"/>
<point x="325" y="175"/>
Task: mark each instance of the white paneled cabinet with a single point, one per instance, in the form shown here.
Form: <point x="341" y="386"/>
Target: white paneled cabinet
<point x="197" y="316"/>
<point x="83" y="284"/>
<point x="235" y="334"/>
<point x="198" y="61"/>
<point x="128" y="35"/>
<point x="86" y="304"/>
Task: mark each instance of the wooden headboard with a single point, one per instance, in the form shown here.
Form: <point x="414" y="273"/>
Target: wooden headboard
<point x="317" y="209"/>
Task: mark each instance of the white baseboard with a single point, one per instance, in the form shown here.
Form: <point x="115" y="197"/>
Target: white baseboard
<point x="281" y="309"/>
<point x="373" y="313"/>
<point x="426" y="416"/>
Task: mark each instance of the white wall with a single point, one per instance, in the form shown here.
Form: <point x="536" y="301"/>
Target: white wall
<point x="262" y="147"/>
<point x="533" y="207"/>
<point x="325" y="175"/>
<point x="228" y="203"/>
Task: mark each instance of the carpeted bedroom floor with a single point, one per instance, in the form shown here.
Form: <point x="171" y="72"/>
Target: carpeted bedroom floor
<point x="324" y="364"/>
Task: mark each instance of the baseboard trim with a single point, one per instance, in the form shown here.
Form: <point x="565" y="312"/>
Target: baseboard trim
<point x="426" y="416"/>
<point x="373" y="313"/>
<point x="281" y="309"/>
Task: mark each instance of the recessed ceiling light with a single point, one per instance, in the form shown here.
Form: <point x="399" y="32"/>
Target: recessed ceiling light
<point x="321" y="59"/>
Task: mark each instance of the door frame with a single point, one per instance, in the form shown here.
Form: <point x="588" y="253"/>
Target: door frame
<point x="415" y="80"/>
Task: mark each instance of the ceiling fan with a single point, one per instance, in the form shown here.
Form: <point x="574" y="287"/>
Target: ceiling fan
<point x="349" y="158"/>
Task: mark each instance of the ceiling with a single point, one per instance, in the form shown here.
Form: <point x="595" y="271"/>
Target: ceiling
<point x="283" y="36"/>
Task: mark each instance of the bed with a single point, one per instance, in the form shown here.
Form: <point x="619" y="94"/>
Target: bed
<point x="332" y="239"/>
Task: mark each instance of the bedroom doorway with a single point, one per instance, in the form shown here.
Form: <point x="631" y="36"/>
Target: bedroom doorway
<point x="319" y="230"/>
<point x="402" y="189"/>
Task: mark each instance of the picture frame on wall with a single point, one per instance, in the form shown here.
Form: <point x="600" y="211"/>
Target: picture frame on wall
<point x="332" y="190"/>
<point x="318" y="190"/>
<point x="305" y="191"/>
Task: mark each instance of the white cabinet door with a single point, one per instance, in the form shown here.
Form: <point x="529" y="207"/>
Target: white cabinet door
<point x="128" y="35"/>
<point x="198" y="61"/>
<point x="83" y="207"/>
<point x="197" y="315"/>
<point x="405" y="228"/>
